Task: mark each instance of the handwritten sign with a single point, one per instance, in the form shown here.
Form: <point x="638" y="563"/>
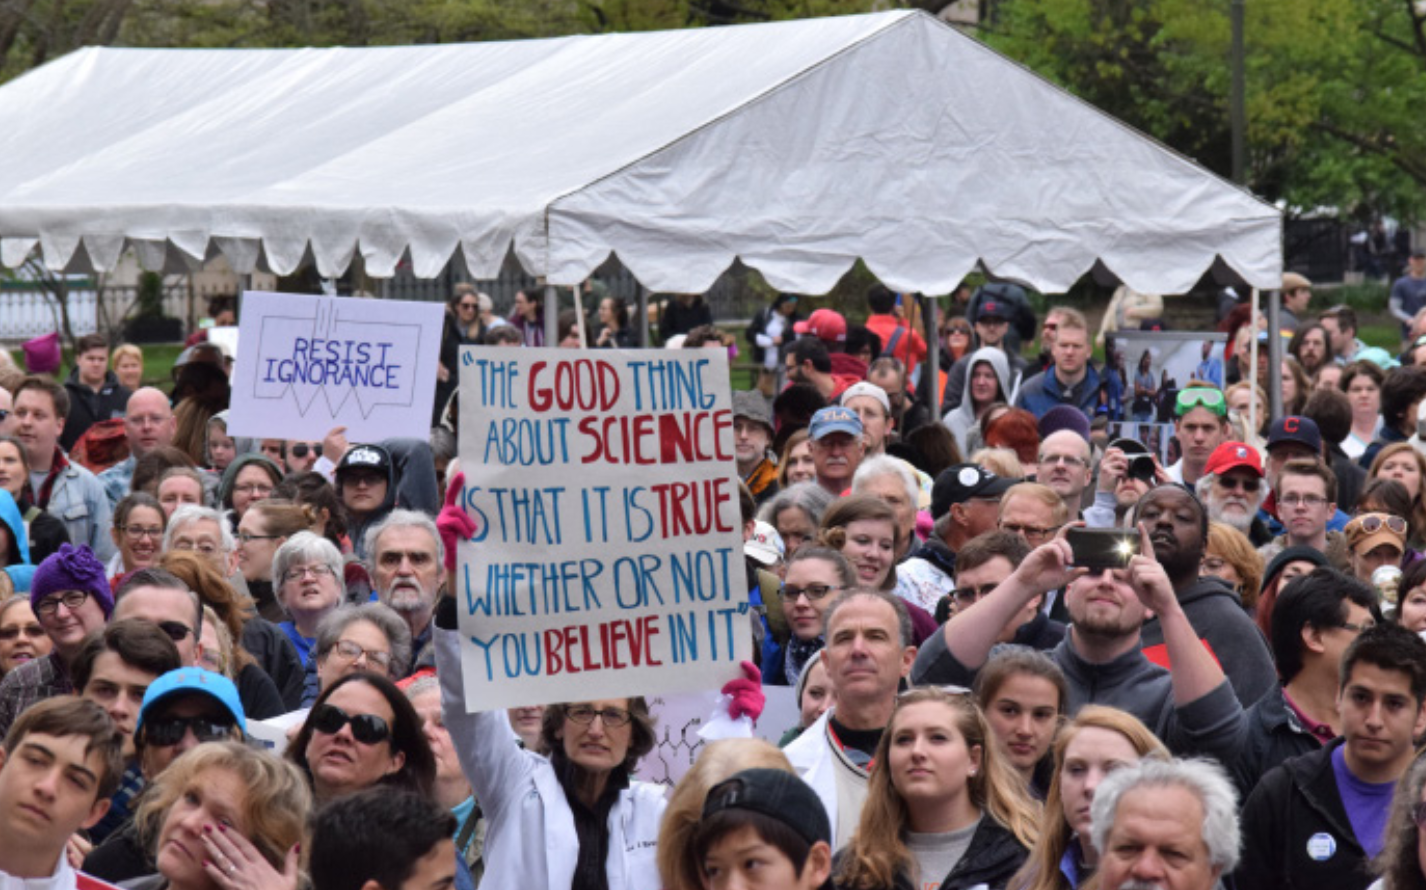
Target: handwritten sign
<point x="307" y="364"/>
<point x="608" y="560"/>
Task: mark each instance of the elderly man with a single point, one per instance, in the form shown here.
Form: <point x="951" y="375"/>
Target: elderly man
<point x="1164" y="824"/>
<point x="965" y="503"/>
<point x="68" y="491"/>
<point x="1201" y="425"/>
<point x="752" y="438"/>
<point x="837" y="445"/>
<point x="1374" y="540"/>
<point x="1306" y="496"/>
<point x="148" y="423"/>
<point x="868" y="653"/>
<point x="1232" y="489"/>
<point x="873" y="406"/>
<point x="407" y="571"/>
<point x="1066" y="468"/>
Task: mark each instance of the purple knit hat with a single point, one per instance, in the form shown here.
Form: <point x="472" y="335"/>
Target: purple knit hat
<point x="72" y="568"/>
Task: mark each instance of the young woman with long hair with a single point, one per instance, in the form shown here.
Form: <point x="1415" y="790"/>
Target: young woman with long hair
<point x="942" y="809"/>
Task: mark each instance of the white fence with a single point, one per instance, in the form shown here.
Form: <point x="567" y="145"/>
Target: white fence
<point x="30" y="313"/>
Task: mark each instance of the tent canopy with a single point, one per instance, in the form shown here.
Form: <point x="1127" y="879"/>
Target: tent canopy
<point x="798" y="147"/>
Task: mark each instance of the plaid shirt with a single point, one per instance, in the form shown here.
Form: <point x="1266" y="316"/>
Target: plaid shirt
<point x="33" y="681"/>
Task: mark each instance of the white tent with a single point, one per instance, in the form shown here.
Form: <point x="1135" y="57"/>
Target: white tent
<point x="797" y="147"/>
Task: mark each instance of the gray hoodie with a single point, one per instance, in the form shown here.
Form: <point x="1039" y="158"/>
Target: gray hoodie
<point x="962" y="418"/>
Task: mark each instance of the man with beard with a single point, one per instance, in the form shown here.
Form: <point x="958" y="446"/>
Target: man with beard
<point x="752" y="441"/>
<point x="1200" y="425"/>
<point x="407" y="571"/>
<point x="1177" y="525"/>
<point x="837" y="446"/>
<point x="809" y="361"/>
<point x="1193" y="709"/>
<point x="1232" y="488"/>
<point x="1065" y="467"/>
<point x="1306" y="496"/>
<point x="1311" y="346"/>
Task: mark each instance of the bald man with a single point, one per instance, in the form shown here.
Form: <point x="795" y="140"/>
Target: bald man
<point x="1065" y="466"/>
<point x="148" y="423"/>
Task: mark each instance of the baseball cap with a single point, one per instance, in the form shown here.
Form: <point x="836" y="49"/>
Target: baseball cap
<point x="824" y="324"/>
<point x="834" y="419"/>
<point x="867" y="389"/>
<point x="960" y="483"/>
<point x="193" y="680"/>
<point x="753" y="406"/>
<point x="1302" y="430"/>
<point x="1370" y="530"/>
<point x="993" y="309"/>
<point x="1231" y="456"/>
<point x="776" y="794"/>
<point x="765" y="546"/>
<point x="1292" y="281"/>
<point x="367" y="457"/>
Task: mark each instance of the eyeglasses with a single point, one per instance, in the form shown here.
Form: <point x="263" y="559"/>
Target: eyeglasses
<point x="71" y="599"/>
<point x="176" y="630"/>
<point x="1302" y="500"/>
<point x="254" y="488"/>
<point x="167" y="731"/>
<point x="1372" y="523"/>
<point x="207" y="548"/>
<point x="1235" y="482"/>
<point x="813" y="592"/>
<point x="299" y="449"/>
<point x="968" y="595"/>
<point x="391" y="559"/>
<point x="1068" y="460"/>
<point x="613" y="718"/>
<point x="368" y="729"/>
<point x="246" y="538"/>
<point x="33" y="631"/>
<point x="1029" y="532"/>
<point x="297" y="573"/>
<point x="1197" y="396"/>
<point x="350" y="651"/>
<point x="139" y="532"/>
<point x="1356" y="628"/>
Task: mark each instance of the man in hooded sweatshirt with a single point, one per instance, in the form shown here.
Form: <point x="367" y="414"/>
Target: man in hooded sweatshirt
<point x="988" y="381"/>
<point x="1178" y="527"/>
<point x="95" y="394"/>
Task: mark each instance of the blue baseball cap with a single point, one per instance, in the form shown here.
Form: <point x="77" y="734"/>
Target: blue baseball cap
<point x="834" y="419"/>
<point x="188" y="680"/>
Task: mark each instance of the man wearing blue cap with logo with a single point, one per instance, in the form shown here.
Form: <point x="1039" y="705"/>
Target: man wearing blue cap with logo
<point x="182" y="709"/>
<point x="837" y="446"/>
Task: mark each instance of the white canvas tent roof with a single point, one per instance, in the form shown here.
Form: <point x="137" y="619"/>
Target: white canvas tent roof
<point x="796" y="146"/>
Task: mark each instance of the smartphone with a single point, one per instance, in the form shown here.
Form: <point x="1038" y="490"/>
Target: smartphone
<point x="1103" y="548"/>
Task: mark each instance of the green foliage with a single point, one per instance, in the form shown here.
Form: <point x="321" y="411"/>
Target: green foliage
<point x="150" y="295"/>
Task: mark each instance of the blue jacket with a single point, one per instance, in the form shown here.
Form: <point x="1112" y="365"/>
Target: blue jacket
<point x="1042" y="392"/>
<point x="18" y="566"/>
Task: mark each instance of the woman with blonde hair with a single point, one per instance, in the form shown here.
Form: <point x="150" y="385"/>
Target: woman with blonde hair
<point x="1402" y="861"/>
<point x="942" y="809"/>
<point x="1400" y="461"/>
<point x="1096" y="742"/>
<point x="1000" y="461"/>
<point x="127" y="363"/>
<point x="679" y="869"/>
<point x="862" y="527"/>
<point x="1231" y="557"/>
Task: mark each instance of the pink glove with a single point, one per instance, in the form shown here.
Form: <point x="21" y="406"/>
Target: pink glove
<point x="453" y="523"/>
<point x="747" y="694"/>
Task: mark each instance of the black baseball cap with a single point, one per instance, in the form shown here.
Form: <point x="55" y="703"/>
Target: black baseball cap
<point x="776" y="794"/>
<point x="960" y="483"/>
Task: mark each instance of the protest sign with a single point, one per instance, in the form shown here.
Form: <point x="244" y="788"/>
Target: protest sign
<point x="307" y="364"/>
<point x="608" y="556"/>
<point x="678" y="720"/>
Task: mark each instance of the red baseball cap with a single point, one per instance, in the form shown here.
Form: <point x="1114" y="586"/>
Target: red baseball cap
<point x="826" y="325"/>
<point x="1231" y="456"/>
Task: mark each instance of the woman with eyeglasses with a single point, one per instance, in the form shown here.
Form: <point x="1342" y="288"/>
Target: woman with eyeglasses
<point x="44" y="532"/>
<point x="308" y="573"/>
<point x="942" y="808"/>
<point x="815" y="575"/>
<point x="1401" y="462"/>
<point x="1402" y="861"/>
<point x="261" y="531"/>
<point x="22" y="638"/>
<point x="369" y="637"/>
<point x="224" y="817"/>
<point x="248" y="479"/>
<point x="139" y="521"/>
<point x="362" y="731"/>
<point x="574" y="818"/>
<point x="1231" y="557"/>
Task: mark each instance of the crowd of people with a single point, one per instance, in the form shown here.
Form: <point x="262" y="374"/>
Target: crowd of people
<point x="1236" y="701"/>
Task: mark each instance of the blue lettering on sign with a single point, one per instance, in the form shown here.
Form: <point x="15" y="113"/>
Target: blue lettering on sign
<point x="335" y="363"/>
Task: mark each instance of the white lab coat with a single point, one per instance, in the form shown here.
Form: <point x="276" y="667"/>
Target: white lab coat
<point x="530" y="840"/>
<point x="812" y="756"/>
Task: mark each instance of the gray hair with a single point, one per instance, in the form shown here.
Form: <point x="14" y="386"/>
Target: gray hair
<point x="886" y="465"/>
<point x="809" y="497"/>
<point x="306" y="547"/>
<point x="443" y="443"/>
<point x="1204" y="486"/>
<point x="402" y="519"/>
<point x="903" y="617"/>
<point x="383" y="618"/>
<point x="423" y="685"/>
<point x="190" y="513"/>
<point x="1203" y="778"/>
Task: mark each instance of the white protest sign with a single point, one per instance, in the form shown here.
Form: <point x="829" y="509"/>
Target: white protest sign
<point x="307" y="364"/>
<point x="678" y="719"/>
<point x="608" y="558"/>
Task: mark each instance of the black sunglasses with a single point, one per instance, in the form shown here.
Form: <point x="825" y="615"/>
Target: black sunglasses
<point x="368" y="729"/>
<point x="176" y="630"/>
<point x="300" y="449"/>
<point x="166" y="731"/>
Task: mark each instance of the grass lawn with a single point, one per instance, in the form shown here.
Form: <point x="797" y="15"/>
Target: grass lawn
<point x="1387" y="336"/>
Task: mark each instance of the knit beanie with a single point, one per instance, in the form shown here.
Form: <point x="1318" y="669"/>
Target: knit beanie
<point x="72" y="568"/>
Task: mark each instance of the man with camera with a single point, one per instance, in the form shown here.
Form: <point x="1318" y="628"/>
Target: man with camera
<point x="1126" y="473"/>
<point x="1193" y="709"/>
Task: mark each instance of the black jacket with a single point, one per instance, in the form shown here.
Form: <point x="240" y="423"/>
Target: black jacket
<point x="994" y="855"/>
<point x="1274" y="736"/>
<point x="277" y="657"/>
<point x="1293" y="803"/>
<point x="1041" y="633"/>
<point x="87" y="407"/>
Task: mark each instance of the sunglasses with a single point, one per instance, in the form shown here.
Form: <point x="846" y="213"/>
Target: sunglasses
<point x="1195" y="397"/>
<point x="176" y="630"/>
<point x="368" y="729"/>
<point x="1373" y="522"/>
<point x="33" y="631"/>
<point x="299" y="450"/>
<point x="166" y="731"/>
